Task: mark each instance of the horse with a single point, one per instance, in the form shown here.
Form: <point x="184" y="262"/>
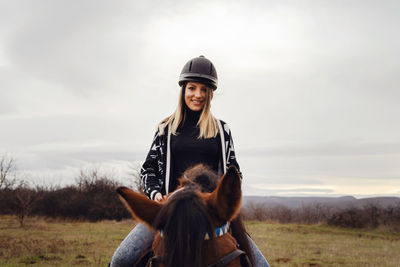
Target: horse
<point x="192" y="223"/>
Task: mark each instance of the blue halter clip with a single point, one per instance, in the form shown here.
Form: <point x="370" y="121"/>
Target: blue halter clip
<point x="220" y="231"/>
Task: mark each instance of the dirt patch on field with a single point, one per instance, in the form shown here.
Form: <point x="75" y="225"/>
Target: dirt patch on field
<point x="282" y="260"/>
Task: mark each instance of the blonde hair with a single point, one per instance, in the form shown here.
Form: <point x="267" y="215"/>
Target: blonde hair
<point x="207" y="123"/>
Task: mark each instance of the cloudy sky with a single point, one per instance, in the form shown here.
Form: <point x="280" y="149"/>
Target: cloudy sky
<point x="310" y="89"/>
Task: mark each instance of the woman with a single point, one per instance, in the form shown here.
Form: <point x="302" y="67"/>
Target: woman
<point x="191" y="135"/>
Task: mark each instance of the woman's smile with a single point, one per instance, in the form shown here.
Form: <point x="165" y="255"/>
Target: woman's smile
<point x="197" y="102"/>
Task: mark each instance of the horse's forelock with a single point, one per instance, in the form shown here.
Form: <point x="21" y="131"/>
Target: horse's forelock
<point x="201" y="175"/>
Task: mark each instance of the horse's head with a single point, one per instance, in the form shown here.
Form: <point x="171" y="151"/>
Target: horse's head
<point x="188" y="216"/>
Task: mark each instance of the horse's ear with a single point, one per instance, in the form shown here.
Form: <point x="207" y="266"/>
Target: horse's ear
<point x="225" y="200"/>
<point x="142" y="208"/>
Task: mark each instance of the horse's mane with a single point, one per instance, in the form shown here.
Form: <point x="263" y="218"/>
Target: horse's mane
<point x="201" y="175"/>
<point x="184" y="221"/>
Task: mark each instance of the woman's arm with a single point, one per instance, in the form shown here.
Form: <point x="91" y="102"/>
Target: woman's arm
<point x="230" y="155"/>
<point x="150" y="171"/>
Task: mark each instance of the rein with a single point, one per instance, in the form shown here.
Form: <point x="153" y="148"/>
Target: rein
<point x="244" y="260"/>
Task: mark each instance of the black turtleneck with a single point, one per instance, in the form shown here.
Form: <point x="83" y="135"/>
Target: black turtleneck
<point x="188" y="150"/>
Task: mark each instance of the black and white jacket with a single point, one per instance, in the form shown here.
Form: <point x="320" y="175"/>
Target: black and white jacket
<point x="156" y="170"/>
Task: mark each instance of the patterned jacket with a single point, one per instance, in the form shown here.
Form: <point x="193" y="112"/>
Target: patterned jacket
<point x="156" y="170"/>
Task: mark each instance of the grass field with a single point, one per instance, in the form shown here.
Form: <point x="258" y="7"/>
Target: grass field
<point x="57" y="243"/>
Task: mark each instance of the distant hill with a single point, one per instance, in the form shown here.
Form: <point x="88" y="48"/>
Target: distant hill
<point x="338" y="202"/>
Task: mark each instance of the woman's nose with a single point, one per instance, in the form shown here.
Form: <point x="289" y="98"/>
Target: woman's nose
<point x="197" y="93"/>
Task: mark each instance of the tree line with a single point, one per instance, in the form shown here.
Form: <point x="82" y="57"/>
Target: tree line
<point x="93" y="198"/>
<point x="370" y="215"/>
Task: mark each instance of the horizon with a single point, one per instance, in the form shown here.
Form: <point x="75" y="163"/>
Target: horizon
<point x="125" y="177"/>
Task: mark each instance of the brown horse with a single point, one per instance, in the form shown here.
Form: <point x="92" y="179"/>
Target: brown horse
<point x="192" y="223"/>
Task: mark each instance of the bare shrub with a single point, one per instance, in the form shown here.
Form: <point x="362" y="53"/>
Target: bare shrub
<point x="93" y="198"/>
<point x="371" y="215"/>
<point x="281" y="214"/>
<point x="135" y="178"/>
<point x="18" y="200"/>
<point x="392" y="218"/>
<point x="312" y="213"/>
<point x="261" y="212"/>
<point x="7" y="167"/>
<point x="24" y="201"/>
<point x="350" y="217"/>
<point x="254" y="211"/>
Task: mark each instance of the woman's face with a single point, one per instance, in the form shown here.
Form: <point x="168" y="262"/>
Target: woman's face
<point x="195" y="95"/>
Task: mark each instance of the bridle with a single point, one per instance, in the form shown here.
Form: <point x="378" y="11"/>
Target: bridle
<point x="225" y="260"/>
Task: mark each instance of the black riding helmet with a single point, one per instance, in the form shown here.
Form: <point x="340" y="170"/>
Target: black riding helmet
<point x="199" y="69"/>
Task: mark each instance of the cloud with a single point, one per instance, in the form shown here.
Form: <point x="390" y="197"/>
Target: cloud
<point x="268" y="190"/>
<point x="293" y="190"/>
<point x="309" y="89"/>
<point x="337" y="148"/>
<point x="63" y="44"/>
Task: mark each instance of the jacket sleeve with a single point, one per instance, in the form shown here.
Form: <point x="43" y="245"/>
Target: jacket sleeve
<point x="150" y="171"/>
<point x="230" y="150"/>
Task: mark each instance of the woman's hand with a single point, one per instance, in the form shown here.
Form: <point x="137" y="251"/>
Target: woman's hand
<point x="158" y="197"/>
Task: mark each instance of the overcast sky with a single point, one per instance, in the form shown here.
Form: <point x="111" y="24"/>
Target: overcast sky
<point x="310" y="89"/>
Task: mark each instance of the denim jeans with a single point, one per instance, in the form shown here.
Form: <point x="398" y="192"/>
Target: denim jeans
<point x="259" y="259"/>
<point x="137" y="241"/>
<point x="141" y="238"/>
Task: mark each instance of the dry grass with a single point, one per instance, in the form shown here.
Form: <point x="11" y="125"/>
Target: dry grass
<point x="59" y="243"/>
<point x="45" y="242"/>
<point x="320" y="245"/>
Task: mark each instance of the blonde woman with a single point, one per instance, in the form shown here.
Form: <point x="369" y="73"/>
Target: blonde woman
<point x="191" y="135"/>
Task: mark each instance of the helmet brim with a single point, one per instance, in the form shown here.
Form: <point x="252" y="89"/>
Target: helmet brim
<point x="209" y="81"/>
